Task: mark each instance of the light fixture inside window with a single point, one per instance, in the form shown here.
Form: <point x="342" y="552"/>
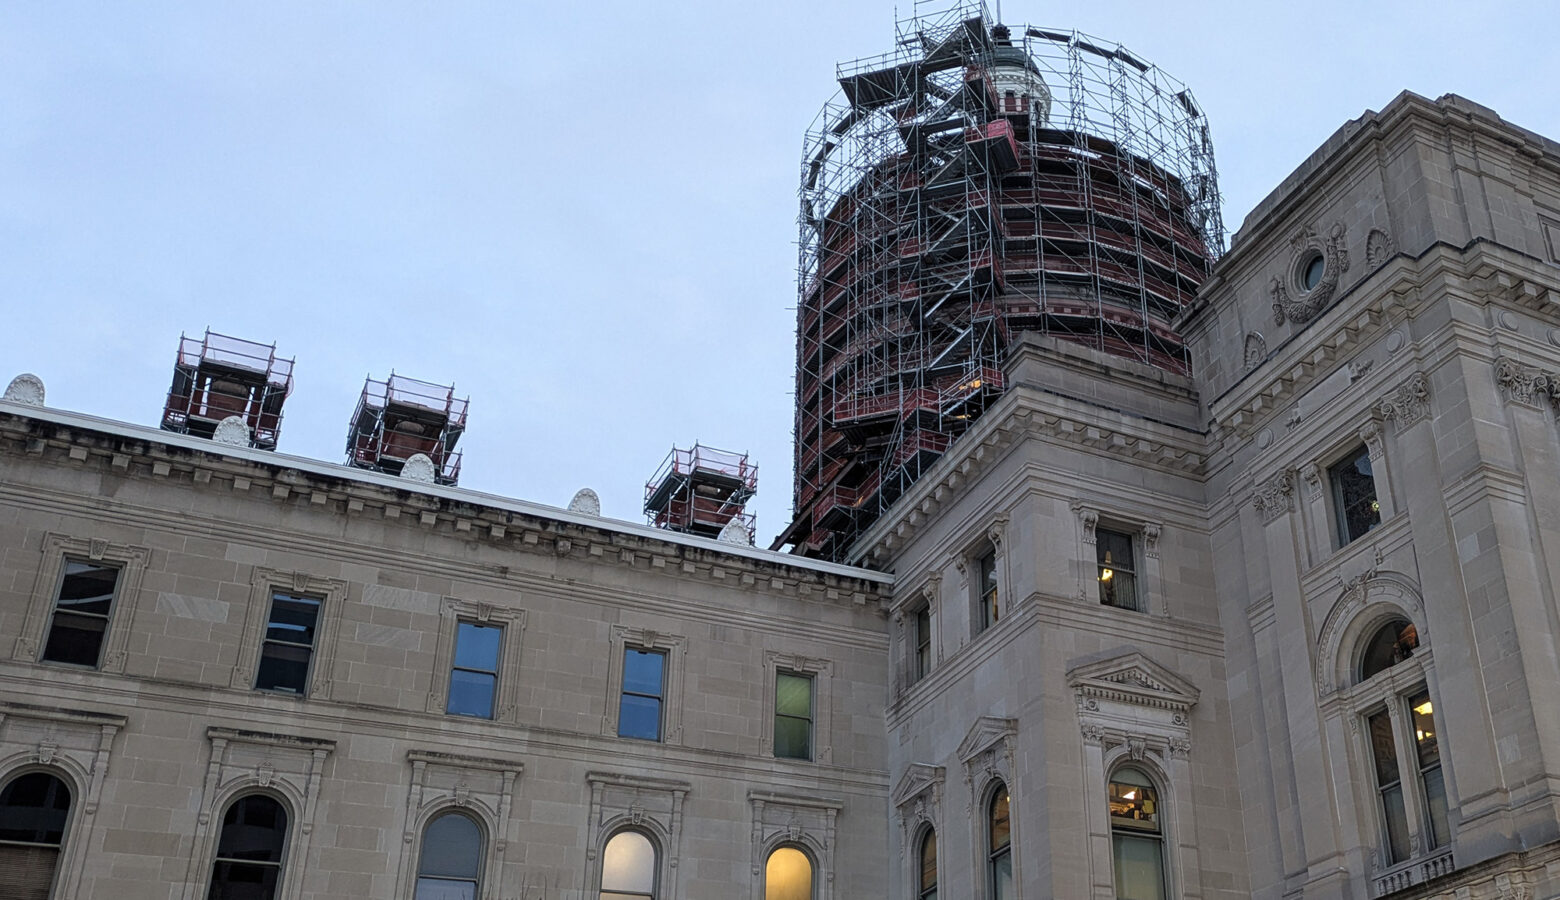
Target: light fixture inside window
<point x="1105" y="574"/>
<point x="1424" y="709"/>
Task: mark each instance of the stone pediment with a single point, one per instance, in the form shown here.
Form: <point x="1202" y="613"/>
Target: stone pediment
<point x="984" y="734"/>
<point x="917" y="780"/>
<point x="1135" y="679"/>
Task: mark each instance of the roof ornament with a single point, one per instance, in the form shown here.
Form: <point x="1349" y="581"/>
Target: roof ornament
<point x="736" y="532"/>
<point x="26" y="389"/>
<point x="232" y="430"/>
<point x="585" y="502"/>
<point x="419" y="467"/>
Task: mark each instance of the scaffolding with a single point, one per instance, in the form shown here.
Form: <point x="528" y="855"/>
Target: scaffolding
<point x="701" y="490"/>
<point x="216" y="376"/>
<point x="974" y="183"/>
<point x="398" y="418"/>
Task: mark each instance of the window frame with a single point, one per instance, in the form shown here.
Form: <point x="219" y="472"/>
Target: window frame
<point x="1332" y="472"/>
<point x="811" y="717"/>
<point x="56" y="549"/>
<point x="820" y="671"/>
<point x="496" y="673"/>
<point x="1135" y="568"/>
<point x="58" y="877"/>
<point x="453" y="611"/>
<point x="921" y="652"/>
<point x="659" y="698"/>
<point x="994" y="856"/>
<point x="674" y="647"/>
<point x="313" y="648"/>
<point x="484" y="857"/>
<point x="1159" y="833"/>
<point x="656" y="857"/>
<point x="923" y="890"/>
<point x="264" y="583"/>
<point x="290" y="819"/>
<point x="107" y="618"/>
<point x="807" y="854"/>
<point x="988" y="595"/>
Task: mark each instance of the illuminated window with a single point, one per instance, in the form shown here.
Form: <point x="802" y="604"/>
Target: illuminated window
<point x="449" y="866"/>
<point x="1117" y="573"/>
<point x="926" y="882"/>
<point x="34" y="811"/>
<point x="793" y="715"/>
<point x="81" y="610"/>
<point x="250" y="850"/>
<point x="644" y="686"/>
<point x="288" y="647"/>
<point x="788" y="875"/>
<point x="1427" y="752"/>
<point x="628" y="868"/>
<point x="999" y="846"/>
<point x="990" y="602"/>
<point x="1355" y="507"/>
<point x="1136" y="836"/>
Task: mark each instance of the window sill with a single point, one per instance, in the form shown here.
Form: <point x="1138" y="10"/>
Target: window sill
<point x="1418" y="870"/>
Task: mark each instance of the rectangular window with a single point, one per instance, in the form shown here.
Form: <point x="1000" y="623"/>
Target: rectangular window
<point x="288" y="647"/>
<point x="1354" y="496"/>
<point x="1117" y="569"/>
<point x="644" y="682"/>
<point x="990" y="603"/>
<point x="474" y="674"/>
<point x="81" y="610"/>
<point x="1429" y="760"/>
<point x="923" y="642"/>
<point x="1389" y="785"/>
<point x="793" y="716"/>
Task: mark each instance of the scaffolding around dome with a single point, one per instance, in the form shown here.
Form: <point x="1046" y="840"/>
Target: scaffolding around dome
<point x="976" y="182"/>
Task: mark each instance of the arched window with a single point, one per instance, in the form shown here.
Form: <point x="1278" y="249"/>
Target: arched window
<point x="999" y="845"/>
<point x="1136" y="836"/>
<point x="34" y="809"/>
<point x="628" y="868"/>
<point x="450" y="865"/>
<point x="926" y="881"/>
<point x="788" y="875"/>
<point x="1392" y="643"/>
<point x="249" y="850"/>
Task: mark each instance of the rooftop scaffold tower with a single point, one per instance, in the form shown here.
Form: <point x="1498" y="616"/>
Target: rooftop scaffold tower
<point x="702" y="491"/>
<point x="976" y="182"/>
<point x="216" y="377"/>
<point x="400" y="417"/>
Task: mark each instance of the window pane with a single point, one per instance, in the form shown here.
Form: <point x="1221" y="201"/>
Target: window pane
<point x="75" y="639"/>
<point x="1140" y="867"/>
<point x="292" y="619"/>
<point x="1354" y="495"/>
<point x="642" y="670"/>
<point x="88" y="587"/>
<point x="929" y="861"/>
<point x="476" y="646"/>
<point x="34" y="809"/>
<point x="27" y="870"/>
<point x="1113" y="549"/>
<point x="639" y="717"/>
<point x="1118" y="588"/>
<point x="1424" y="731"/>
<point x="1000" y="833"/>
<point x="788" y="875"/>
<point x="471" y="694"/>
<point x="793" y="695"/>
<point x="254" y="829"/>
<point x="1397" y="822"/>
<point x="629" y="864"/>
<point x="1134" y="803"/>
<point x="1391" y="644"/>
<point x="444" y="889"/>
<point x="452" y="848"/>
<point x="1383" y="749"/>
<point x="793" y="738"/>
<point x="243" y="881"/>
<point x="1435" y="801"/>
<point x="1002" y="876"/>
<point x="283" y="667"/>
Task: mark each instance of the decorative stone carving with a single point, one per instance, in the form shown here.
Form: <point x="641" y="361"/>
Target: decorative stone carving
<point x="1408" y="403"/>
<point x="1256" y="349"/>
<point x="1367" y="589"/>
<point x="1089" y="519"/>
<point x="1151" y="533"/>
<point x="585" y="502"/>
<point x="1370" y="433"/>
<point x="794" y="819"/>
<point x="735" y="533"/>
<point x="918" y="797"/>
<point x="1359" y="369"/>
<point x="233" y="431"/>
<point x="1525" y="384"/>
<point x="1311" y="474"/>
<point x="1336" y="262"/>
<point x="1274" y="497"/>
<point x="419" y="468"/>
<point x="26" y="389"/>
<point x="1379" y="247"/>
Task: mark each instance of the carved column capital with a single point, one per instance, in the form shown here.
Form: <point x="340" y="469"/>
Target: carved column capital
<point x="1275" y="496"/>
<point x="1408" y="402"/>
<point x="1525" y="384"/>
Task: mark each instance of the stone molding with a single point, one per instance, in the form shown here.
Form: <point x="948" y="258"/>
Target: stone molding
<point x="132" y="561"/>
<point x="1131" y="678"/>
<point x="263" y="582"/>
<point x="1333" y="249"/>
<point x="1363" y="601"/>
<point x="454" y="610"/>
<point x="807" y="822"/>
<point x="675" y="647"/>
<point x="1274" y="496"/>
<point x="478" y="786"/>
<point x="626" y="802"/>
<point x="26" y="389"/>
<point x="822" y="673"/>
<point x="1379" y="247"/>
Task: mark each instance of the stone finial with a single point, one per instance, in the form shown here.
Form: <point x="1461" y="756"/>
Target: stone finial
<point x="736" y="533"/>
<point x="232" y="430"/>
<point x="26" y="389"/>
<point x="585" y="502"/>
<point x="419" y="468"/>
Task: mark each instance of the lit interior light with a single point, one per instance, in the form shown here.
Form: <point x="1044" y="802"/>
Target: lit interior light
<point x="1129" y="795"/>
<point x="1106" y="574"/>
<point x="1424" y="709"/>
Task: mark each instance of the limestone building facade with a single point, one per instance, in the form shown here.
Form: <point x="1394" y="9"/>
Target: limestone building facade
<point x="1284" y="627"/>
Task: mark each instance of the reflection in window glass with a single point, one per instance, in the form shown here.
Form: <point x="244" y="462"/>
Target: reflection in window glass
<point x="34" y="810"/>
<point x="81" y="613"/>
<point x="793" y="716"/>
<point x="628" y="868"/>
<point x="1389" y="785"/>
<point x="788" y="875"/>
<point x="1354" y="496"/>
<point x="1392" y="643"/>
<point x="474" y="676"/>
<point x="249" y="850"/>
<point x="450" y="864"/>
<point x="1137" y="842"/>
<point x="999" y="843"/>
<point x="1117" y="569"/>
<point x="923" y="642"/>
<point x="990" y="603"/>
<point x="288" y="645"/>
<point x="1428" y="753"/>
<point x="644" y="679"/>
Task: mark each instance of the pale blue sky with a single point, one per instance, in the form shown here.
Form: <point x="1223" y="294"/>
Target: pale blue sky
<point x="586" y="220"/>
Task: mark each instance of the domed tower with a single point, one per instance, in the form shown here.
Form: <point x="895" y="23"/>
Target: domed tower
<point x="978" y="182"/>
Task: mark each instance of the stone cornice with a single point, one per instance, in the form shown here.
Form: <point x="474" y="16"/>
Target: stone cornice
<point x="55" y="437"/>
